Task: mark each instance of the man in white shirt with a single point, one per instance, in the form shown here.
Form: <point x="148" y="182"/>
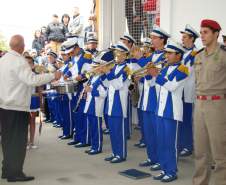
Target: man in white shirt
<point x="16" y="82"/>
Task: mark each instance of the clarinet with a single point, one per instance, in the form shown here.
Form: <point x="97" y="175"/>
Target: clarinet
<point x="80" y="97"/>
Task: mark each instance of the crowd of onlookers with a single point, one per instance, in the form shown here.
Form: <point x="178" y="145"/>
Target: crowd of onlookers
<point x="56" y="32"/>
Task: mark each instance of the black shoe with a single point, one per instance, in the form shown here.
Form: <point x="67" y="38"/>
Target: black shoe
<point x="106" y="131"/>
<point x="137" y="145"/>
<point x="80" y="145"/>
<point x="169" y="178"/>
<point x="117" y="160"/>
<point x="20" y="178"/>
<point x="146" y="163"/>
<point x="87" y="151"/>
<point x="137" y="128"/>
<point x="72" y="143"/>
<point x="65" y="137"/>
<point x="142" y="145"/>
<point x="155" y="167"/>
<point x="94" y="152"/>
<point x="185" y="153"/>
<point x="159" y="176"/>
<point x="109" y="158"/>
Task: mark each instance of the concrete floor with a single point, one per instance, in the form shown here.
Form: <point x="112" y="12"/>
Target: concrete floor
<point x="56" y="163"/>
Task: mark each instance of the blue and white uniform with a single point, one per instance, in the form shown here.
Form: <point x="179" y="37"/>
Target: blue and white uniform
<point x="94" y="108"/>
<point x="65" y="102"/>
<point x="169" y="111"/>
<point x="185" y="137"/>
<point x="148" y="105"/>
<point x="116" y="109"/>
<point x="81" y="64"/>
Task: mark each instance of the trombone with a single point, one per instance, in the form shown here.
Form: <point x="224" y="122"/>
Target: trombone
<point x="95" y="71"/>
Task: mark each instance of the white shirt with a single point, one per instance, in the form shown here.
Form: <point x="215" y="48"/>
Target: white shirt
<point x="16" y="82"/>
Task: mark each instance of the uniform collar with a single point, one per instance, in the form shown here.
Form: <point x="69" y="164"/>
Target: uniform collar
<point x="175" y="64"/>
<point x="159" y="51"/>
<point x="190" y="49"/>
<point x="214" y="52"/>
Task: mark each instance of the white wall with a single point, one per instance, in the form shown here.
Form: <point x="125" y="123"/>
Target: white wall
<point x="175" y="14"/>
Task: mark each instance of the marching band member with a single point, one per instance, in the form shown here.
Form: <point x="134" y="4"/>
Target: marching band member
<point x="142" y="57"/>
<point x="66" y="98"/>
<point x="51" y="95"/>
<point x="149" y="99"/>
<point x="117" y="104"/>
<point x="185" y="141"/>
<point x="81" y="64"/>
<point x="91" y="47"/>
<point x="129" y="41"/>
<point x="110" y="56"/>
<point x="169" y="109"/>
<point x="94" y="107"/>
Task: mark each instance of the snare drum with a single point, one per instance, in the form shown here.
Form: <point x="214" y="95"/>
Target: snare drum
<point x="66" y="87"/>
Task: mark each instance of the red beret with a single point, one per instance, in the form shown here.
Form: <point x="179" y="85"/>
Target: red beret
<point x="211" y="24"/>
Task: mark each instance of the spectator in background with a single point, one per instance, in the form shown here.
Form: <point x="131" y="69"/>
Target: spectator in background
<point x="55" y="34"/>
<point x="43" y="33"/>
<point x="89" y="30"/>
<point x="33" y="53"/>
<point x="38" y="42"/>
<point x="224" y="39"/>
<point x="134" y="16"/>
<point x="65" y="21"/>
<point x="150" y="10"/>
<point x="76" y="26"/>
<point x="91" y="46"/>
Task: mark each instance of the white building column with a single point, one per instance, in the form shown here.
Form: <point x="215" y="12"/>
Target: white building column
<point x="105" y="23"/>
<point x="112" y="22"/>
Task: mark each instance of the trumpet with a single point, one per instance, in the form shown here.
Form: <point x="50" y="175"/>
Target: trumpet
<point x="143" y="71"/>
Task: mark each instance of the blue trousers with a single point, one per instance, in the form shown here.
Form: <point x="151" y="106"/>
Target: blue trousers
<point x="81" y="125"/>
<point x="185" y="136"/>
<point x="57" y="109"/>
<point x="150" y="135"/>
<point x="67" y="117"/>
<point x="118" y="136"/>
<point x="141" y="124"/>
<point x="50" y="106"/>
<point x="95" y="125"/>
<point x="106" y="120"/>
<point x="128" y="120"/>
<point x="167" y="130"/>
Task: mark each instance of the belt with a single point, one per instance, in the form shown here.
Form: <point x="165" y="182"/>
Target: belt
<point x="213" y="97"/>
